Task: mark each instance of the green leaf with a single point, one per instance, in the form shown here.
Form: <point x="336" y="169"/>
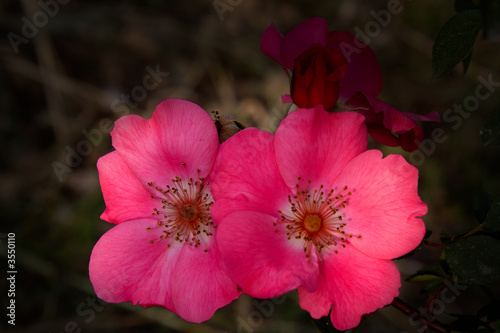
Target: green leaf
<point x="455" y="41"/>
<point x="490" y="133"/>
<point x="492" y="221"/>
<point x="424" y="277"/>
<point x="475" y="259"/>
<point x="434" y="275"/>
<point x="324" y="325"/>
<point x="432" y="285"/>
<point x="491" y="17"/>
<point x="427" y="274"/>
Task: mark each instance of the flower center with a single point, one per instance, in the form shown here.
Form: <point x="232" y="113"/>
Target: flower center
<point x="315" y="219"/>
<point x="189" y="212"/>
<point x="312" y="222"/>
<point x="182" y="209"/>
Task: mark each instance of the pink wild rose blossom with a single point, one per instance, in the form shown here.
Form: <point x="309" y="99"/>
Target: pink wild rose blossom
<point x="312" y="209"/>
<point x="357" y="86"/>
<point x="163" y="249"/>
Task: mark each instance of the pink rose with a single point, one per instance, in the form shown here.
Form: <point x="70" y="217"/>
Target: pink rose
<point x="163" y="249"/>
<point x="311" y="209"/>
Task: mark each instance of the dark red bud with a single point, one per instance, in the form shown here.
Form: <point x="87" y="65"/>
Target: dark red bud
<point x="316" y="75"/>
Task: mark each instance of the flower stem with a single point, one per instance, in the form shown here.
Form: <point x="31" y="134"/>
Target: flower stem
<point x="433" y="244"/>
<point x="410" y="311"/>
<point x="472" y="232"/>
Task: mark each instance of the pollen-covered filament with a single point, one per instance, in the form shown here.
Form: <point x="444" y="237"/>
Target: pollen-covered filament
<point x="315" y="217"/>
<point x="183" y="211"/>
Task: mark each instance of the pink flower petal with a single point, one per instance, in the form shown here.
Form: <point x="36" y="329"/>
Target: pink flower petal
<point x="431" y="116"/>
<point x="178" y="132"/>
<point x="246" y="175"/>
<point x="270" y="43"/>
<point x="354" y="284"/>
<point x="264" y="263"/>
<point x="202" y="284"/>
<point x="300" y="38"/>
<point x="395" y="120"/>
<point x="363" y="70"/>
<point x="125" y="196"/>
<point x="125" y="266"/>
<point x="315" y="145"/>
<point x="381" y="134"/>
<point x="388" y="125"/>
<point x="411" y="140"/>
<point x="384" y="205"/>
<point x="410" y="134"/>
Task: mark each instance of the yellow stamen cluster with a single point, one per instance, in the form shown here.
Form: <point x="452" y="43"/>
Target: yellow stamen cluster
<point x="316" y="218"/>
<point x="183" y="211"/>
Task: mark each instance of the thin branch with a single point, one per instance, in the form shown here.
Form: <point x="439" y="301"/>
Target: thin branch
<point x="470" y="233"/>
<point x="433" y="244"/>
<point x="410" y="311"/>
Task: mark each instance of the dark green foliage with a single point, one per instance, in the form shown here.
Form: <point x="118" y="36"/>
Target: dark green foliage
<point x="455" y="41"/>
<point x="475" y="259"/>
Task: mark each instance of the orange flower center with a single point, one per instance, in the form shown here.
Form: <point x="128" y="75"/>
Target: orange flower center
<point x="312" y="222"/>
<point x="316" y="218"/>
<point x="183" y="212"/>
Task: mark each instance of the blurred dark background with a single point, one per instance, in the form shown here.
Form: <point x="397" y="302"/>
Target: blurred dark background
<point x="60" y="87"/>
